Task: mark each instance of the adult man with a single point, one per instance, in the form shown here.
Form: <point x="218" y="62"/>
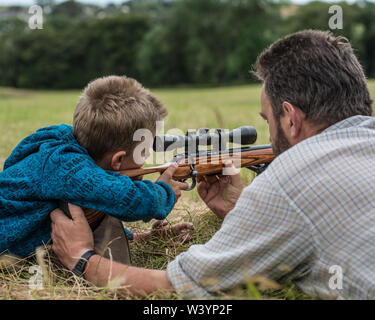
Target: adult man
<point x="309" y="214"/>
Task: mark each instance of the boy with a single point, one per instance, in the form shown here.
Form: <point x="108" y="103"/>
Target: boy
<point x="77" y="165"/>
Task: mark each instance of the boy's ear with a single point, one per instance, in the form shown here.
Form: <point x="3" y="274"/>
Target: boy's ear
<point x="117" y="160"/>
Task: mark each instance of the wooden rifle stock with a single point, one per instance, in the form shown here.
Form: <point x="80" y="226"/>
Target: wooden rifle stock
<point x="209" y="165"/>
<point x="204" y="165"/>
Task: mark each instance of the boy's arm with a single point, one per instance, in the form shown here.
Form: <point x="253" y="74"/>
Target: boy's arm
<point x="72" y="176"/>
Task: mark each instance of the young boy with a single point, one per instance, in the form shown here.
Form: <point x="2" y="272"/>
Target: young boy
<point x="76" y="164"/>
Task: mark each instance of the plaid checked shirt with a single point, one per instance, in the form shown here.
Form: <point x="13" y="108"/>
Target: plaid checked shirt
<point x="310" y="214"/>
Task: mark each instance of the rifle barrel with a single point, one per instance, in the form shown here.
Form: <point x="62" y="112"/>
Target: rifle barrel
<point x="211" y="164"/>
<point x="206" y="164"/>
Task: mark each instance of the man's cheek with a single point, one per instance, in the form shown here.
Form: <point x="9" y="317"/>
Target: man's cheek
<point x="273" y="130"/>
<point x="271" y="134"/>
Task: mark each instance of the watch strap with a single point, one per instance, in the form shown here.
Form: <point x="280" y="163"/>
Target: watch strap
<point x="79" y="268"/>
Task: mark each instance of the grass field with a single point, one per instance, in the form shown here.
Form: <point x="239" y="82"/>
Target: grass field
<point x="22" y="112"/>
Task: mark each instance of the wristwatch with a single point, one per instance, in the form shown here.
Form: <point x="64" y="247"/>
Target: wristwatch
<point x="79" y="268"/>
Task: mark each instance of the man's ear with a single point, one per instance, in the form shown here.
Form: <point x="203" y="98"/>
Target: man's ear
<point x="117" y="160"/>
<point x="294" y="118"/>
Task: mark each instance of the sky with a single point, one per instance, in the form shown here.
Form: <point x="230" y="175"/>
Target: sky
<point x="97" y="2"/>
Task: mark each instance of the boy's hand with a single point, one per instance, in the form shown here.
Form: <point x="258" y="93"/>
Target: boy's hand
<point x="162" y="229"/>
<point x="167" y="177"/>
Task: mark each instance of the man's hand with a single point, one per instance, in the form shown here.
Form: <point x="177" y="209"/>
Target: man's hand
<point x="167" y="177"/>
<point x="71" y="238"/>
<point x="220" y="193"/>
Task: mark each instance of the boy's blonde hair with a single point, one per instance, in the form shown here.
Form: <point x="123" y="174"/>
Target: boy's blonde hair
<point x="110" y="110"/>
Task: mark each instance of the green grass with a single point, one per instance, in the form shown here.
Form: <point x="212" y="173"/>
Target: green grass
<point x="22" y="112"/>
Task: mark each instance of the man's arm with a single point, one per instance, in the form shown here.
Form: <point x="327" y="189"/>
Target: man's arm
<point x="72" y="238"/>
<point x="135" y="280"/>
<point x="263" y="235"/>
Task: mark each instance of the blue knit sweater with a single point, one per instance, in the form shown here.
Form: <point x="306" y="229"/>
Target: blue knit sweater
<point x="50" y="165"/>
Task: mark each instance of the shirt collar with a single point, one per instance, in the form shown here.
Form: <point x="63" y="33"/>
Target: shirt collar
<point x="355" y="121"/>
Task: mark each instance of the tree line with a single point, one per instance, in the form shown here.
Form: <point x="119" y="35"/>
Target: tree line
<point x="164" y="42"/>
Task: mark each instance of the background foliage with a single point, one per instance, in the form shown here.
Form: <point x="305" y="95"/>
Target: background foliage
<point x="163" y="42"/>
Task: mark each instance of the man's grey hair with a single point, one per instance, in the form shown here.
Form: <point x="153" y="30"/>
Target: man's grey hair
<point x="316" y="72"/>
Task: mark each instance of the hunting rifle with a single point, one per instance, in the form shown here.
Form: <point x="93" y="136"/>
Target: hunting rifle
<point x="194" y="162"/>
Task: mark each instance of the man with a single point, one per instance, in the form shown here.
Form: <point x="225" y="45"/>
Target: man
<point x="310" y="217"/>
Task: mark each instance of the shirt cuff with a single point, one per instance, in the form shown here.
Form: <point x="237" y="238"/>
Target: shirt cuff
<point x="181" y="281"/>
<point x="129" y="234"/>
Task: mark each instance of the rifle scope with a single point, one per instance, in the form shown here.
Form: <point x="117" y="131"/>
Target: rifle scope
<point x="243" y="135"/>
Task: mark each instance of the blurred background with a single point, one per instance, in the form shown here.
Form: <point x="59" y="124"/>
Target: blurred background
<point x="160" y="42"/>
<point x="195" y="55"/>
